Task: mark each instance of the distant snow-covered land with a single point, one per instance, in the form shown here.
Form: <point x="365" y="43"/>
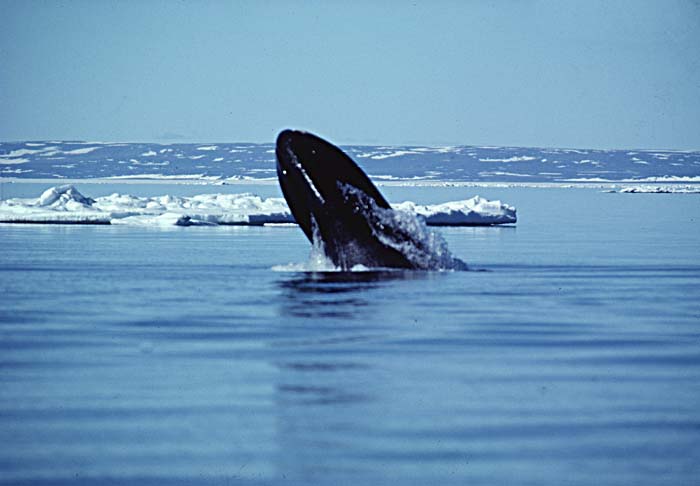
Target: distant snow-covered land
<point x="65" y="204"/>
<point x="222" y="162"/>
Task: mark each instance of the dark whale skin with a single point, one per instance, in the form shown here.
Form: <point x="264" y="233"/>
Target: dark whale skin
<point x="333" y="200"/>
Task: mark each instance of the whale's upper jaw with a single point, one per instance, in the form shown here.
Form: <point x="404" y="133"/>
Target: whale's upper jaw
<point x="313" y="174"/>
<point x="295" y="181"/>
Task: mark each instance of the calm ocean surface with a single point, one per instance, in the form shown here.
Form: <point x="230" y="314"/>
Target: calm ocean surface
<point x="161" y="356"/>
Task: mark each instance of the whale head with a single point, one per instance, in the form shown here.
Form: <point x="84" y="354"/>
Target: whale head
<point x="339" y="209"/>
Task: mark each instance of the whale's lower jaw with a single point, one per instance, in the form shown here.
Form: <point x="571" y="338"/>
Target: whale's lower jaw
<point x="341" y="211"/>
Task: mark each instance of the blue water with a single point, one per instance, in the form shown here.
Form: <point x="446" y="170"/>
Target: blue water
<point x="571" y="355"/>
<point x="257" y="161"/>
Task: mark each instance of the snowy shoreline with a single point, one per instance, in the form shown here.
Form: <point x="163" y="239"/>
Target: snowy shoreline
<point x="66" y="205"/>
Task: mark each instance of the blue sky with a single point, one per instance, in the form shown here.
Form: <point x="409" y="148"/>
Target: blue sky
<point x="590" y="74"/>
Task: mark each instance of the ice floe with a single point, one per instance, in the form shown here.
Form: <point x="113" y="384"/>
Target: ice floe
<point x="65" y="204"/>
<point x="522" y="158"/>
<point x="15" y="171"/>
<point x="81" y="151"/>
<point x="660" y="190"/>
<point x="167" y="177"/>
<point x="22" y="152"/>
<point x="470" y="212"/>
<point x="672" y="179"/>
<point x="19" y="160"/>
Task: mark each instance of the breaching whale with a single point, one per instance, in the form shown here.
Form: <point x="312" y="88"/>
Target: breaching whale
<point x="343" y="213"/>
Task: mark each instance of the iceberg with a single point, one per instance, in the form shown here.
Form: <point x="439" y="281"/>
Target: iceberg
<point x="60" y="204"/>
<point x="64" y="197"/>
<point x="66" y="205"/>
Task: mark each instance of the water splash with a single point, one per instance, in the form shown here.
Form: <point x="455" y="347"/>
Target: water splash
<point x="399" y="230"/>
<point x="318" y="258"/>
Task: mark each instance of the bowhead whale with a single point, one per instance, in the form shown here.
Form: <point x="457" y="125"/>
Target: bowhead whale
<point x="341" y="211"/>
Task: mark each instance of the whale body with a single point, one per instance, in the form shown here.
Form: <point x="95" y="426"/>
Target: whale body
<point x="343" y="213"/>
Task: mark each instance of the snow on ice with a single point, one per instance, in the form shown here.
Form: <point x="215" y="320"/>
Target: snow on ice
<point x="65" y="204"/>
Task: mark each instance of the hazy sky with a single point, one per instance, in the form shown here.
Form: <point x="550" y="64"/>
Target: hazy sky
<point x="590" y="74"/>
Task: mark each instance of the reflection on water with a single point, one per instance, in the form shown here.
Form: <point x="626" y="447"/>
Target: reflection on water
<point x="342" y="295"/>
<point x="331" y="282"/>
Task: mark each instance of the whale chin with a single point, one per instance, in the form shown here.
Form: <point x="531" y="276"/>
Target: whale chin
<point x="343" y="213"/>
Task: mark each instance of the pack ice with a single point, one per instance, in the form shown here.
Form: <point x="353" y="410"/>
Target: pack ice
<point x="66" y="205"/>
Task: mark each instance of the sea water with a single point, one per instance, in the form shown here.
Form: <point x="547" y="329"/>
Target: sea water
<point x="569" y="354"/>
